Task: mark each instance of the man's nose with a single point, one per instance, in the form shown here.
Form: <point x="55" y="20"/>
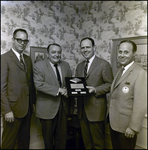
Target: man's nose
<point x="57" y="54"/>
<point x="85" y="49"/>
<point x="122" y="54"/>
<point x="23" y="42"/>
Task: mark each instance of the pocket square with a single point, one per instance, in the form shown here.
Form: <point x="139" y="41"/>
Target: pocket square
<point x="128" y="83"/>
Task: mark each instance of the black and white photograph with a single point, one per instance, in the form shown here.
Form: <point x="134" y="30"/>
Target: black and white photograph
<point x="37" y="53"/>
<point x="39" y="56"/>
<point x="73" y="75"/>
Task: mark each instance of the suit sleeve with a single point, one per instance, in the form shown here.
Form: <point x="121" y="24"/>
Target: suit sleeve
<point x="69" y="71"/>
<point x="140" y="102"/>
<point x="107" y="77"/>
<point x="33" y="91"/>
<point x="40" y="83"/>
<point x="5" y="106"/>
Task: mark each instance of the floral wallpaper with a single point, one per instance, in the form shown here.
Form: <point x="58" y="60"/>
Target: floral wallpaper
<point x="66" y="23"/>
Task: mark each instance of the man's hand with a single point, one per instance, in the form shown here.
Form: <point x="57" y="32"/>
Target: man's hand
<point x="9" y="117"/>
<point x="63" y="91"/>
<point x="91" y="89"/>
<point x="129" y="133"/>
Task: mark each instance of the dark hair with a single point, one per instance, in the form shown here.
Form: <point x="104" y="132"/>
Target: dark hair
<point x="53" y="44"/>
<point x="131" y="42"/>
<point x="88" y="38"/>
<point x="17" y="30"/>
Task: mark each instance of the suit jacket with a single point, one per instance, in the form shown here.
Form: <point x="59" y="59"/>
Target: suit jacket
<point x="47" y="87"/>
<point x="99" y="76"/>
<point x="128" y="100"/>
<point x="17" y="86"/>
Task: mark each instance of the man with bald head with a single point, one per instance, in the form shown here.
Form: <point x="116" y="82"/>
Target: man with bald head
<point x="53" y="104"/>
<point x="128" y="99"/>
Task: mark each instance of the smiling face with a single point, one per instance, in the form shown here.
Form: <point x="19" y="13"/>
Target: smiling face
<point x="125" y="53"/>
<point x="87" y="50"/>
<point x="19" y="47"/>
<point x="54" y="54"/>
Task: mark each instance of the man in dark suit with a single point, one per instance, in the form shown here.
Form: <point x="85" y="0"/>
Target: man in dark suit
<point x="128" y="99"/>
<point x="92" y="108"/>
<point x="52" y="106"/>
<point x="17" y="93"/>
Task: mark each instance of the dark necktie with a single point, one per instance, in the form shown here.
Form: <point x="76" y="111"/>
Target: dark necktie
<point x="58" y="74"/>
<point x="22" y="62"/>
<point x="119" y="75"/>
<point x="85" y="68"/>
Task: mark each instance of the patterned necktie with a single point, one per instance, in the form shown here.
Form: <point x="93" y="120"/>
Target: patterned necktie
<point x="58" y="74"/>
<point x="119" y="75"/>
<point x="85" y="68"/>
<point x="22" y="62"/>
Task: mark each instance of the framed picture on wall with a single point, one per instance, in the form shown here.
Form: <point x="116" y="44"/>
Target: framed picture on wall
<point x="118" y="64"/>
<point x="37" y="54"/>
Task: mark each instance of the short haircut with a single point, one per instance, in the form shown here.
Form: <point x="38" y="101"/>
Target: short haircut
<point x="53" y="44"/>
<point x="131" y="42"/>
<point x="17" y="30"/>
<point x="88" y="38"/>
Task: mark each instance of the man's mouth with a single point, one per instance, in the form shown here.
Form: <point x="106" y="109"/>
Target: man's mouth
<point x="122" y="59"/>
<point x="86" y="53"/>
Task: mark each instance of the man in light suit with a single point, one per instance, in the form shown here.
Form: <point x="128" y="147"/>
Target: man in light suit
<point x="52" y="106"/>
<point x="92" y="108"/>
<point x="17" y="93"/>
<point x="128" y="99"/>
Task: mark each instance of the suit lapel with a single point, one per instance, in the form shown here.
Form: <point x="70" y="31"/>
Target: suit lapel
<point x="25" y="61"/>
<point x="50" y="69"/>
<point x="63" y="72"/>
<point x="83" y="65"/>
<point x="93" y="65"/>
<point x="125" y="75"/>
<point x="15" y="60"/>
<point x="113" y="83"/>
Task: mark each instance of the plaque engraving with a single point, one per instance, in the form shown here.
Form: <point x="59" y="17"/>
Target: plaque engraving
<point x="76" y="86"/>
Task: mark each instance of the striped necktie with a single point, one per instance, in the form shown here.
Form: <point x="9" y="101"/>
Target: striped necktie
<point x="85" y="68"/>
<point x="22" y="62"/>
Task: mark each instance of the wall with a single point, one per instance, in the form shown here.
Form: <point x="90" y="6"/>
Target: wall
<point x="67" y="24"/>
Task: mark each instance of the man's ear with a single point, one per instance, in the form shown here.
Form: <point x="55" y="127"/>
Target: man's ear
<point x="47" y="54"/>
<point x="12" y="39"/>
<point x="134" y="53"/>
<point x="95" y="47"/>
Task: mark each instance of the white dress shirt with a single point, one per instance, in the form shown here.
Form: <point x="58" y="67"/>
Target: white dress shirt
<point x="59" y="68"/>
<point x="126" y="67"/>
<point x="90" y="62"/>
<point x="17" y="54"/>
<point x="54" y="69"/>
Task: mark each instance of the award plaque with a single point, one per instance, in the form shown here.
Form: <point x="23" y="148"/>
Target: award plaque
<point x="76" y="86"/>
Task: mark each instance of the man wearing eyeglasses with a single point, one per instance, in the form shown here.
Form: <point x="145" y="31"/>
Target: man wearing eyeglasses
<point x="17" y="93"/>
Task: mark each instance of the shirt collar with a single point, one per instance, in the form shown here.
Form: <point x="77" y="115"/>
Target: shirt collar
<point x="91" y="59"/>
<point x="17" y="54"/>
<point x="127" y="66"/>
<point x="52" y="63"/>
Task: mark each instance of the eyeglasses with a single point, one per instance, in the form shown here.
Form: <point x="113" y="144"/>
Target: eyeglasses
<point x="20" y="41"/>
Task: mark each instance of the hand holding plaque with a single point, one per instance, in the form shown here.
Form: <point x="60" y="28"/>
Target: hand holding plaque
<point x="63" y="91"/>
<point x="76" y="86"/>
<point x="91" y="89"/>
